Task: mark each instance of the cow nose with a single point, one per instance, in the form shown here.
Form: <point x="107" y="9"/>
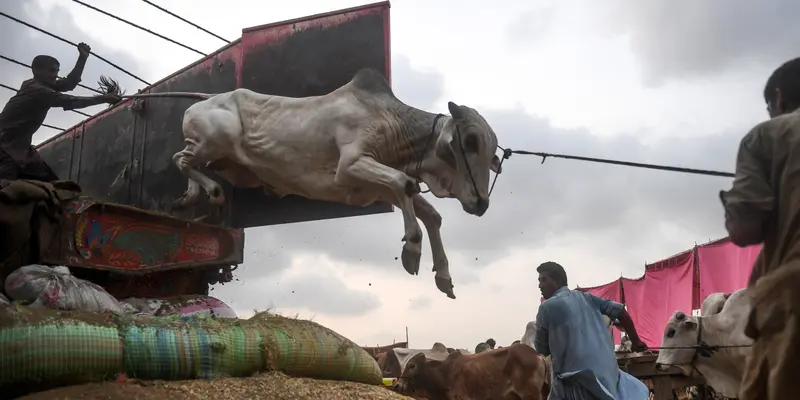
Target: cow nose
<point x="483" y="205"/>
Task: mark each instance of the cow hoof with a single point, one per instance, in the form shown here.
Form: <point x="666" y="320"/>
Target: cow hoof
<point x="445" y="286"/>
<point x="412" y="252"/>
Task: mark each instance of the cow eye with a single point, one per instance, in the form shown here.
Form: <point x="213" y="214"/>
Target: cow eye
<point x="670" y="333"/>
<point x="471" y="144"/>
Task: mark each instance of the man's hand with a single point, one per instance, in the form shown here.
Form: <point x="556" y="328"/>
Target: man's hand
<point x="111" y="98"/>
<point x="638" y="346"/>
<point x="84" y="50"/>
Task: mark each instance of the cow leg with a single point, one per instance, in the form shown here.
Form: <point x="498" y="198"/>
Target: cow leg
<point x="433" y="224"/>
<point x="185" y="161"/>
<point x="359" y="169"/>
<point x="189" y="197"/>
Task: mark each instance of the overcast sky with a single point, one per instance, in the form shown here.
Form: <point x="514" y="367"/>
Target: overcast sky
<point x="649" y="81"/>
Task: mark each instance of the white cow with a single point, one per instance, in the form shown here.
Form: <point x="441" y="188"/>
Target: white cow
<point x="356" y="145"/>
<point x="713" y="304"/>
<point x="722" y="369"/>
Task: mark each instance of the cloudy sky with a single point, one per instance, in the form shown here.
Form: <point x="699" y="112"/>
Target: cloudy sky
<point x="649" y="81"/>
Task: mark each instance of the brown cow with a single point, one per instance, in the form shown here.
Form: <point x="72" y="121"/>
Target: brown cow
<point x="514" y="372"/>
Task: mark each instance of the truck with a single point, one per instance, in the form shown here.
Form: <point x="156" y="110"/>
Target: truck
<point x="121" y="233"/>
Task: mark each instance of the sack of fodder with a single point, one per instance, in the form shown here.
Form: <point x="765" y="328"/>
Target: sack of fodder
<point x="55" y="287"/>
<point x="71" y="347"/>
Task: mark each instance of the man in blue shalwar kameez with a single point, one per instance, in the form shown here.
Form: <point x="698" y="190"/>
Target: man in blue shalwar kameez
<point x="570" y="328"/>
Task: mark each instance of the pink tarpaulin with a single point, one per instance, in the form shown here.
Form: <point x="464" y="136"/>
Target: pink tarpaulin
<point x="666" y="287"/>
<point x="724" y="266"/>
<point x="610" y="291"/>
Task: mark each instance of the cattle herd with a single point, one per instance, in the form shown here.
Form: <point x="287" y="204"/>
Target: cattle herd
<point x="519" y="372"/>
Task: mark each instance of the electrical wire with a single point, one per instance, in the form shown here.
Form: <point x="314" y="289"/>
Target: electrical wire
<point x="108" y="14"/>
<point x="187" y="21"/>
<point x="54" y="36"/>
<point x="22" y="64"/>
<point x="15" y="90"/>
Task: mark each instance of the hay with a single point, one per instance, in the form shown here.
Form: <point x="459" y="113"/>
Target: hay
<point x="110" y="86"/>
<point x="272" y="386"/>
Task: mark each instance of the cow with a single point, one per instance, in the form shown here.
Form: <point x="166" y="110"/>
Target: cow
<point x="356" y="145"/>
<point x="396" y="359"/>
<point x="516" y="372"/>
<point x="722" y="368"/>
<point x="713" y="304"/>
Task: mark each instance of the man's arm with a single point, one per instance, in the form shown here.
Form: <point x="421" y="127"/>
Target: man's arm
<point x="750" y="202"/>
<point x="541" y="340"/>
<point x="616" y="311"/>
<point x="74" y="77"/>
<point x="48" y="97"/>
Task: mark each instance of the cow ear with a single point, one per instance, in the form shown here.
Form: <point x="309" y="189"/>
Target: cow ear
<point x="495" y="166"/>
<point x="455" y="110"/>
<point x="444" y="149"/>
<point x="690" y="325"/>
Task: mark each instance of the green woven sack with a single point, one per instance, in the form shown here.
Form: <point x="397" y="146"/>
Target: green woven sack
<point x="188" y="350"/>
<point x="304" y="348"/>
<point x="72" y="347"/>
<point x="38" y="345"/>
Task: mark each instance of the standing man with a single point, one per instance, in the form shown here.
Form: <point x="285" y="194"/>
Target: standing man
<point x="763" y="206"/>
<point x="25" y="112"/>
<point x="570" y="328"/>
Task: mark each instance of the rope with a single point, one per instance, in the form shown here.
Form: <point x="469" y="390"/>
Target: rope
<point x="701" y="346"/>
<point x="54" y="36"/>
<point x="508" y="152"/>
<point x="108" y="14"/>
<point x="22" y="64"/>
<point x="187" y="21"/>
<point x="15" y="90"/>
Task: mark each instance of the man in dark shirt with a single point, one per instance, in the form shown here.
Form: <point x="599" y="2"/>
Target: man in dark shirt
<point x="25" y="112"/>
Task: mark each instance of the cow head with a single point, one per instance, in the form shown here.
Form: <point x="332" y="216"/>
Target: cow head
<point x="681" y="332"/>
<point x="466" y="149"/>
<point x="415" y="378"/>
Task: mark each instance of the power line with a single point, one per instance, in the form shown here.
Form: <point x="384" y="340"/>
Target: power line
<point x="508" y="152"/>
<point x="108" y="14"/>
<point x="187" y="21"/>
<point x="15" y="90"/>
<point x="22" y="64"/>
<point x="54" y="36"/>
<point x="53" y="127"/>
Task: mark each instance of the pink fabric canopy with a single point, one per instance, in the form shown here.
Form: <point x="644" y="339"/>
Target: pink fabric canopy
<point x="666" y="287"/>
<point x="610" y="291"/>
<point x="724" y="267"/>
<point x="679" y="283"/>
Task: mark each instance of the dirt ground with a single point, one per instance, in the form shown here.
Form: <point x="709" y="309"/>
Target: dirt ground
<point x="272" y="386"/>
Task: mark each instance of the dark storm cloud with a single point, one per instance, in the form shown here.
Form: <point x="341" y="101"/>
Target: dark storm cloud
<point x="22" y="43"/>
<point x="679" y="39"/>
